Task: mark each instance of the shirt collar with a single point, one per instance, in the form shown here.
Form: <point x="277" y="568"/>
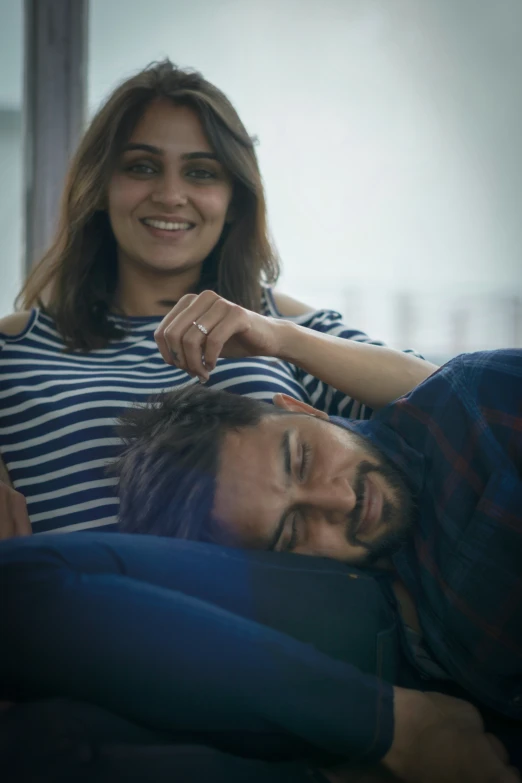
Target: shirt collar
<point x="398" y="448"/>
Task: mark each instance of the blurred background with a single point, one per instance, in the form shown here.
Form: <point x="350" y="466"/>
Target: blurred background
<point x="389" y="137"/>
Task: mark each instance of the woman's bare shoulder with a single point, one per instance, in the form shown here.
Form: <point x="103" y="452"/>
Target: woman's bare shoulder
<point x="288" y="306"/>
<point x="15" y="323"/>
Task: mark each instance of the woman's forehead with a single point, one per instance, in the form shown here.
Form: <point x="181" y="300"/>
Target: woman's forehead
<point x="171" y="122"/>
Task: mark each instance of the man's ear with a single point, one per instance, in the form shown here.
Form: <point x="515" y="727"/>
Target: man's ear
<point x="288" y="403"/>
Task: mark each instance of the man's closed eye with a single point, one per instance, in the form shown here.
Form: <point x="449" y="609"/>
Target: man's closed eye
<point x="306" y="452"/>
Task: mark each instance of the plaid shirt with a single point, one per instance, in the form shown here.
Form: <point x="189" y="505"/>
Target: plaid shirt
<point x="457" y="438"/>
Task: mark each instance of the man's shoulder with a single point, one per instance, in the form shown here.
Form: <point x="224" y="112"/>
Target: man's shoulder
<point x="504" y="361"/>
<point x="471" y="376"/>
<point x="486" y="380"/>
<point x="447" y="403"/>
<point x="469" y="406"/>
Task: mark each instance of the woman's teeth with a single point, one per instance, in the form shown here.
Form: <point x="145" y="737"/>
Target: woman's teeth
<point x="164" y="226"/>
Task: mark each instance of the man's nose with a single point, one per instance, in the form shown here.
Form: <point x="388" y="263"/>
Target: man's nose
<point x="333" y="496"/>
<point x="170" y="191"/>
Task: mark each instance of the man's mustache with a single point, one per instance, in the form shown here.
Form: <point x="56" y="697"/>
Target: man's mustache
<point x="359" y="486"/>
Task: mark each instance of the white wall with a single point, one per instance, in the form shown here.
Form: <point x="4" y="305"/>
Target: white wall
<point x="389" y="142"/>
<point x="11" y="202"/>
<point x="11" y="189"/>
<point x="11" y="63"/>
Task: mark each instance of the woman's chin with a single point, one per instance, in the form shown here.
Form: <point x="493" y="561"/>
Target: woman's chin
<point x="171" y="264"/>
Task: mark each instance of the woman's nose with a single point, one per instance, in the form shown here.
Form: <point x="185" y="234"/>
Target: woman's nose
<point x="170" y="191"/>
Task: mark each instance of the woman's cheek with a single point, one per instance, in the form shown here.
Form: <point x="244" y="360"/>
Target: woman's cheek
<point x="214" y="204"/>
<point x="125" y="195"/>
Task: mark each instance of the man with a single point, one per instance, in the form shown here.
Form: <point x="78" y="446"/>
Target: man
<point x="431" y="486"/>
<point x="174" y="482"/>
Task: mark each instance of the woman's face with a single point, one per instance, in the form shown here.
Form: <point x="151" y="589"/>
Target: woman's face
<point x="169" y="197"/>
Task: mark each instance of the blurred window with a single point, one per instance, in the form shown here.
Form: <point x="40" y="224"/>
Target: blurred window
<point x="11" y="152"/>
<point x="389" y="142"/>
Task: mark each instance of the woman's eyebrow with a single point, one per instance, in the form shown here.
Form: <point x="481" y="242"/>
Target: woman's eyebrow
<point x="196" y="155"/>
<point x="143" y="148"/>
<point x="150" y="148"/>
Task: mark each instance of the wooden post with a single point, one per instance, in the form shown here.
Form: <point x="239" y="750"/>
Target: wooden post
<point x="55" y="86"/>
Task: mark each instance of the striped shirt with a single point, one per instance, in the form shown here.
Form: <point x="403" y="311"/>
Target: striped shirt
<point x="58" y="409"/>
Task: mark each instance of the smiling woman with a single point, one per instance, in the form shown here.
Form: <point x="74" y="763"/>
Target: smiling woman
<point x="167" y="146"/>
<point x="168" y="202"/>
<point x="163" y="201"/>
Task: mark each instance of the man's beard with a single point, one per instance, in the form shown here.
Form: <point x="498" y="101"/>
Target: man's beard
<point x="397" y="516"/>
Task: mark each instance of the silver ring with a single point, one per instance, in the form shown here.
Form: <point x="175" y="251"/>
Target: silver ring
<point x="200" y="327"/>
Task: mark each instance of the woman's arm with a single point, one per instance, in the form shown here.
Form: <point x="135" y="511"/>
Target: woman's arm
<point x="15" y="323"/>
<point x="334" y="398"/>
<point x="14" y="520"/>
<point x="288" y="307"/>
<point x="372" y="374"/>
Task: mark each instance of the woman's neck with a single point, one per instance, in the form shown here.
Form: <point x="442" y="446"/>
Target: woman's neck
<point x="142" y="292"/>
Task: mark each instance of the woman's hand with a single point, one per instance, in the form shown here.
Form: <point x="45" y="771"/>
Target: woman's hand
<point x="203" y="327"/>
<point x="14" y="520"/>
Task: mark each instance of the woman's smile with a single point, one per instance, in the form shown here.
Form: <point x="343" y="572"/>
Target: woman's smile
<point x="169" y="230"/>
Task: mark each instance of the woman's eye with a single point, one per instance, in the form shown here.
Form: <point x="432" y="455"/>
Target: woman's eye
<point x="141" y="168"/>
<point x="201" y="174"/>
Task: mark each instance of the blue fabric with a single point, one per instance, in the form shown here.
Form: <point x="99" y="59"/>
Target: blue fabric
<point x="71" y="742"/>
<point x="166" y="633"/>
<point x="457" y="439"/>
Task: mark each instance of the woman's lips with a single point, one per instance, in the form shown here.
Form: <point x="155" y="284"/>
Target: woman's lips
<point x="170" y="234"/>
<point x="372" y="508"/>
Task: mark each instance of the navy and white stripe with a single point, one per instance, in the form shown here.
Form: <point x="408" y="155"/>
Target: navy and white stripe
<point x="57" y="409"/>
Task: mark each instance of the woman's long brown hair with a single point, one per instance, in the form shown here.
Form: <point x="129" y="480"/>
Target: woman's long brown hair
<point x="76" y="280"/>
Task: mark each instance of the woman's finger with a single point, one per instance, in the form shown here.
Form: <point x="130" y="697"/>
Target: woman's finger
<point x="186" y="343"/>
<point x="189" y="333"/>
<point x="235" y="322"/>
<point x="159" y="335"/>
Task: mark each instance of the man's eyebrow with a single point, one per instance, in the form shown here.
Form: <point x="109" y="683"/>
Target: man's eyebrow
<point x="158" y="151"/>
<point x="286" y="455"/>
<point x="286" y="459"/>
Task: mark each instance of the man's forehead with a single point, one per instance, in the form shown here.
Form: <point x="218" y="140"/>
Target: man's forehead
<point x="250" y="485"/>
<point x="243" y="451"/>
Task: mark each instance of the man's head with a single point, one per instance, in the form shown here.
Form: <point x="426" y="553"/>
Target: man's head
<point x="213" y="466"/>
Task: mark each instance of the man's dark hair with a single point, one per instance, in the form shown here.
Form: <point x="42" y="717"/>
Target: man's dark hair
<point x="167" y="470"/>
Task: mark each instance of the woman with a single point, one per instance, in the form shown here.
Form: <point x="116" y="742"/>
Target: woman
<point x="163" y="198"/>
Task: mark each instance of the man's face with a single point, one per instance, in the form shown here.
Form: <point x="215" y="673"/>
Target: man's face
<point x="297" y="483"/>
